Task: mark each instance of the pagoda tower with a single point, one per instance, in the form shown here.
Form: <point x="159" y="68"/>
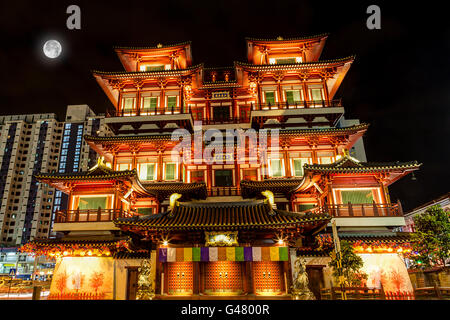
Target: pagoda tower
<point x="232" y="224"/>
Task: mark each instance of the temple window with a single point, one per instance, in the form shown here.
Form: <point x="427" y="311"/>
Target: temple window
<point x="250" y="174"/>
<point x="123" y="166"/>
<point x="172" y="103"/>
<point x="154" y="67"/>
<point x="293" y="96"/>
<point x="286" y="60"/>
<point x="223" y="178"/>
<point x="144" y="211"/>
<point x="244" y="112"/>
<point x="325" y="157"/>
<point x="128" y="104"/>
<point x="316" y="95"/>
<point x="297" y="165"/>
<point x="170" y="171"/>
<point x="269" y="97"/>
<point x="197" y="113"/>
<point x="276" y="168"/>
<point x="149" y="105"/>
<point x="305" y="206"/>
<point x="88" y="202"/>
<point x="221" y="113"/>
<point x="197" y="176"/>
<point x="147" y="171"/>
<point x="357" y="196"/>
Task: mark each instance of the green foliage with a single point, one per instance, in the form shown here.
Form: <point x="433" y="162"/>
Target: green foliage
<point x="351" y="266"/>
<point x="431" y="240"/>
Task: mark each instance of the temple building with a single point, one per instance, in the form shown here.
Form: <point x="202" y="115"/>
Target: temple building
<point x="233" y="223"/>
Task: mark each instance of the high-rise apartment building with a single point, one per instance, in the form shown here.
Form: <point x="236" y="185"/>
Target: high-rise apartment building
<point x="31" y="144"/>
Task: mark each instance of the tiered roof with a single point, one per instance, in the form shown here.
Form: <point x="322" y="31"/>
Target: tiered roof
<point x="224" y="216"/>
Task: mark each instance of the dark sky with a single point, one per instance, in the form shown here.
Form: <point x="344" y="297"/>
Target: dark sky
<point x="399" y="83"/>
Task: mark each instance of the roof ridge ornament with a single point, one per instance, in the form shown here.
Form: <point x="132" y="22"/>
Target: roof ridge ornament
<point x="270" y="199"/>
<point x="341" y="159"/>
<point x="101" y="165"/>
<point x="173" y="202"/>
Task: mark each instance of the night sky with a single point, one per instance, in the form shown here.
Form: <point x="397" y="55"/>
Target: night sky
<point x="399" y="83"/>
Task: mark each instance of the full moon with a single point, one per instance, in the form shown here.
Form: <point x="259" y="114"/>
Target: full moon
<point x="52" y="49"/>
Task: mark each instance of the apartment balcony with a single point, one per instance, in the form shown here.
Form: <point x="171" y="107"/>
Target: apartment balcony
<point x="92" y="215"/>
<point x="300" y="114"/>
<point x="149" y="120"/>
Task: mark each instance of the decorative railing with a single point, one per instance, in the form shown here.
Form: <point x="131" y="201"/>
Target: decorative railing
<point x="297" y="105"/>
<point x="223" y="191"/>
<point x="77" y="296"/>
<point x="147" y="112"/>
<point x="225" y="121"/>
<point x="363" y="210"/>
<point x="364" y="293"/>
<point x="92" y="215"/>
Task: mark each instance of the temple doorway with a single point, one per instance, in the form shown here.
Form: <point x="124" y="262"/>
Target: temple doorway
<point x="268" y="278"/>
<point x="316" y="279"/>
<point x="132" y="283"/>
<point x="180" y="278"/>
<point x="223" y="278"/>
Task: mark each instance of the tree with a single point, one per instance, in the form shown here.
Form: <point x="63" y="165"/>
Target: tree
<point x="431" y="241"/>
<point x="61" y="281"/>
<point x="351" y="266"/>
<point x="96" y="281"/>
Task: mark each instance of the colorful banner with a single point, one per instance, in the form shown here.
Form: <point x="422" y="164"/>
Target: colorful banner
<point x="207" y="254"/>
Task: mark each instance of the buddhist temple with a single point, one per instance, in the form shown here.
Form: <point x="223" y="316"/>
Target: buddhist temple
<point x="232" y="224"/>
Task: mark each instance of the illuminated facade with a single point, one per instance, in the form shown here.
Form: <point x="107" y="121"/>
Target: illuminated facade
<point x="232" y="228"/>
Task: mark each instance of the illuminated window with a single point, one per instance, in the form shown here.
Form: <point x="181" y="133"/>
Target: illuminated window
<point x="128" y="104"/>
<point x="158" y="67"/>
<point x="197" y="176"/>
<point x="170" y="171"/>
<point x="316" y="94"/>
<point x="171" y="102"/>
<point x="144" y="211"/>
<point x="305" y="206"/>
<point x="276" y="169"/>
<point x="357" y="196"/>
<point x="325" y="157"/>
<point x="149" y="104"/>
<point x="92" y="203"/>
<point x="293" y="96"/>
<point x="123" y="166"/>
<point x="285" y="60"/>
<point x="269" y="97"/>
<point x="147" y="171"/>
<point x="297" y="165"/>
<point x="250" y="174"/>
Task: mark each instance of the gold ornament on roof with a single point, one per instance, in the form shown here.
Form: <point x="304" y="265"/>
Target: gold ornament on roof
<point x="279" y="38"/>
<point x="101" y="164"/>
<point x="159" y="45"/>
